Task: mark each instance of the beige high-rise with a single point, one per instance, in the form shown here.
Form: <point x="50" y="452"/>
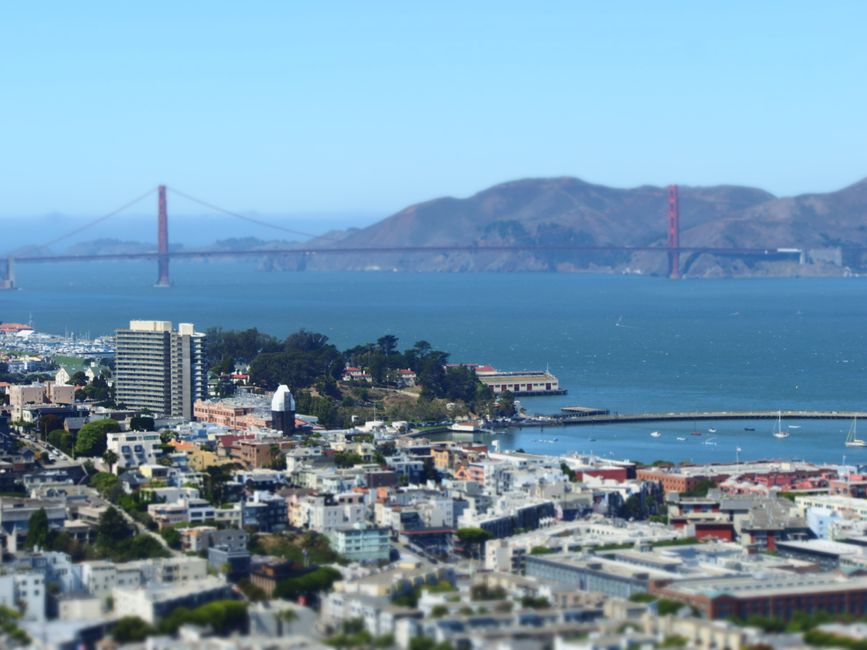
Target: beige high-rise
<point x="159" y="369"/>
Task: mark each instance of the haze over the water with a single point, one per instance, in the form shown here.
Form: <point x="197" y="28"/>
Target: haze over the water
<point x="354" y="108"/>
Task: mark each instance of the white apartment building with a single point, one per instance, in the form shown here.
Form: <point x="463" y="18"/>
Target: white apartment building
<point x="134" y="448"/>
<point x="155" y="601"/>
<point x="196" y="511"/>
<point x="24" y="592"/>
<point x="99" y="578"/>
<point x="845" y="507"/>
<point x="323" y="513"/>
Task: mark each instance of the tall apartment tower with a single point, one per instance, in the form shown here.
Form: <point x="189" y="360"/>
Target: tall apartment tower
<point x="159" y="369"/>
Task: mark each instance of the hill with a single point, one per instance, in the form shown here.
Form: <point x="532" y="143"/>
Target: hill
<point x="569" y="211"/>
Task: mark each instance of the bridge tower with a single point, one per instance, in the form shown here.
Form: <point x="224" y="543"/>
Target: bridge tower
<point x="162" y="240"/>
<point x="673" y="233"/>
<point x="7" y="273"/>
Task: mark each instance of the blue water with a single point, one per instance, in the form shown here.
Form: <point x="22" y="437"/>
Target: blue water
<point x="622" y="343"/>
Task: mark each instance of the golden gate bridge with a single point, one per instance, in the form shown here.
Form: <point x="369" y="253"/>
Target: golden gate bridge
<point x="163" y="254"/>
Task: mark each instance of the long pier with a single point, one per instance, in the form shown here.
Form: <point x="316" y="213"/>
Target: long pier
<point x="685" y="416"/>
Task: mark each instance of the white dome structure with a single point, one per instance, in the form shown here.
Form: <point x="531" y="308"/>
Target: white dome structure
<point x="282" y="400"/>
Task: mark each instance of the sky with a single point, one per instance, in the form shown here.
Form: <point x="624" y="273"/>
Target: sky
<point x="322" y="108"/>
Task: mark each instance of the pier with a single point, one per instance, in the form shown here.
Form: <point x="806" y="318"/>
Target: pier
<point x="596" y="416"/>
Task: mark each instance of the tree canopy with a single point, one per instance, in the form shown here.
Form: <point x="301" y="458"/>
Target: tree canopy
<point x="37" y="530"/>
<point x="91" y="439"/>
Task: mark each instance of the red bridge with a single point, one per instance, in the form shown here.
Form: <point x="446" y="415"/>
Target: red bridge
<point x="163" y="254"/>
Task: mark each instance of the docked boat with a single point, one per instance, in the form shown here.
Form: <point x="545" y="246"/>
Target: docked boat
<point x="852" y="439"/>
<point x="779" y="432"/>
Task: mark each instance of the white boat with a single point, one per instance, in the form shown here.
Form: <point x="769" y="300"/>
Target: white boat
<point x="681" y="438"/>
<point x="852" y="439"/>
<point x="655" y="434"/>
<point x="778" y="432"/>
<point x="794" y="426"/>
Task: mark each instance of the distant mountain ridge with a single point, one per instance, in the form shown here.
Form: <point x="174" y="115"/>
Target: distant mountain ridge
<point x="569" y="211"/>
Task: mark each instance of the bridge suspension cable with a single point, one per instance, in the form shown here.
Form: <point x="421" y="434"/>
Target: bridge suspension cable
<point x="244" y="217"/>
<point x="104" y="217"/>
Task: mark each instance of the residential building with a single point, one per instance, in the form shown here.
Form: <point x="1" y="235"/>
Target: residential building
<point x="134" y="448"/>
<point x="361" y="543"/>
<point x="155" y="601"/>
<point x="24" y="591"/>
<point x="159" y="369"/>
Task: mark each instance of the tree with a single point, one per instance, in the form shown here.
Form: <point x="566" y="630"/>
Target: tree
<point x="278" y="458"/>
<point x="141" y="423"/>
<point x="310" y="583"/>
<point x="91" y="438"/>
<point x="387" y="344"/>
<point x="131" y="629"/>
<point x="347" y="459"/>
<point x="37" y="530"/>
<point x="78" y="379"/>
<point x="107" y="484"/>
<point x="112" y="529"/>
<point x="172" y="537"/>
<point x="505" y="404"/>
<point x="61" y="439"/>
<point x="222" y="616"/>
<point x="49" y="422"/>
<point x="110" y="459"/>
<point x="226" y="366"/>
<point x="474" y="538"/>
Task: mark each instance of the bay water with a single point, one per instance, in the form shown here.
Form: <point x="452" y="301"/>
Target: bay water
<point x="625" y="343"/>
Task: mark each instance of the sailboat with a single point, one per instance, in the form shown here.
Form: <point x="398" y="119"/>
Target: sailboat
<point x="779" y="432"/>
<point x="852" y="439"/>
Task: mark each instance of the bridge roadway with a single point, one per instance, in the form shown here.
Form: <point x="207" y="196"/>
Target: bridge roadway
<point x="688" y="416"/>
<point x="355" y="250"/>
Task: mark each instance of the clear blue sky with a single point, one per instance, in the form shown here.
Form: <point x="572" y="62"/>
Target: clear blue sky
<point x="318" y="107"/>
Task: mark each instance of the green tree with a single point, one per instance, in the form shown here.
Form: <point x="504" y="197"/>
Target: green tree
<point x="700" y="489"/>
<point x="141" y="423"/>
<point x="38" y="532"/>
<point x="505" y="405"/>
<point x="222" y="616"/>
<point x="108" y="485"/>
<point x="110" y="459"/>
<point x="387" y="344"/>
<point x="91" y="438"/>
<point x="427" y="643"/>
<point x="474" y="539"/>
<point x="112" y="529"/>
<point x="49" y="422"/>
<point x="62" y="439"/>
<point x="347" y="459"/>
<point x="313" y="582"/>
<point x="131" y="629"/>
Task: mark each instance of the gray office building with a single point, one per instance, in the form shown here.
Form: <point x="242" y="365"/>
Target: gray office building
<point x="159" y="369"/>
